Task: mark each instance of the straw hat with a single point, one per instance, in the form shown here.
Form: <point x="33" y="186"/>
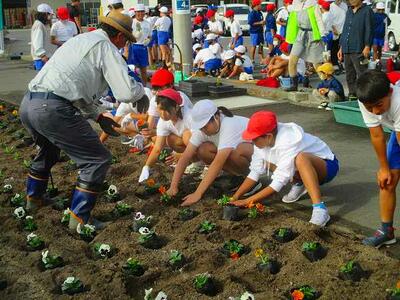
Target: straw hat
<point x="120" y="22"/>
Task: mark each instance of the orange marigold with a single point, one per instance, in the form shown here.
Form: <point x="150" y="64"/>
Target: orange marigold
<point x="297" y="295"/>
<point x="162" y="189"/>
<point x="260" y="207"/>
<point x="151" y="182"/>
<point x="235" y="256"/>
<point x="398" y="285"/>
<point x="140" y="122"/>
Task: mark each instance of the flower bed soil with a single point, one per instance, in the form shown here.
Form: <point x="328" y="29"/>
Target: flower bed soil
<point x="104" y="278"/>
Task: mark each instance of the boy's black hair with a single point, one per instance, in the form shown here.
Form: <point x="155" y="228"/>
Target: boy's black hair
<point x="372" y="86"/>
<point x="225" y="111"/>
<point x="42" y="17"/>
<point x="111" y="31"/>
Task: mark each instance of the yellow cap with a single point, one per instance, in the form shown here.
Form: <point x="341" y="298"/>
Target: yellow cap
<point x="326" y="68"/>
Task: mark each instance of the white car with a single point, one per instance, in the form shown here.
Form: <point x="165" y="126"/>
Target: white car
<point x="241" y="15"/>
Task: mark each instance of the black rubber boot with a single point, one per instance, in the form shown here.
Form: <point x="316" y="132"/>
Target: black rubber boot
<point x="294" y="83"/>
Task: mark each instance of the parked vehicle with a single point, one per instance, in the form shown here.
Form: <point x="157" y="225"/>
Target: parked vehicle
<point x="241" y="14"/>
<point x="393" y="31"/>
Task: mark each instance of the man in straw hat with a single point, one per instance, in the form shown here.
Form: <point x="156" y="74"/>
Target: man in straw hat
<point x="60" y="98"/>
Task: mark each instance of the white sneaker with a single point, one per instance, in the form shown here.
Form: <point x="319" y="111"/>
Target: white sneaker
<point x="194" y="168"/>
<point x="320" y="217"/>
<point x="295" y="193"/>
<point x="254" y="190"/>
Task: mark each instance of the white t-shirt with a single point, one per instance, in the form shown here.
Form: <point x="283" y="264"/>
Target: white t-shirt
<point x="163" y="24"/>
<point x="141" y="31"/>
<point x="235" y="28"/>
<point x="153" y="104"/>
<point x="246" y="62"/>
<point x="215" y="27"/>
<point x="152" y="21"/>
<point x="198" y="33"/>
<point x="63" y="30"/>
<point x="390" y="119"/>
<point x="216" y="49"/>
<point x="203" y="55"/>
<point x="165" y="128"/>
<point x="127" y="108"/>
<point x="327" y="20"/>
<point x="301" y="64"/>
<point x="338" y="14"/>
<point x="229" y="135"/>
<point x="282" y="15"/>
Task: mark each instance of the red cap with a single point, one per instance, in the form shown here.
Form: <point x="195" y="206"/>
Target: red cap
<point x="324" y="4"/>
<point x="91" y="29"/>
<point x="172" y="95"/>
<point x="229" y="13"/>
<point x="62" y="13"/>
<point x="262" y="122"/>
<point x="393" y="77"/>
<point x="270" y="7"/>
<point x="269" y="82"/>
<point x="288" y="1"/>
<point x="279" y="37"/>
<point x="198" y="20"/>
<point x="210" y="13"/>
<point x="162" y="78"/>
<point x="284" y="47"/>
<point x="255" y="3"/>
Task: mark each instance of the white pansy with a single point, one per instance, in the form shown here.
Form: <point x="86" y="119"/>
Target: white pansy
<point x="91" y="228"/>
<point x="44" y="256"/>
<point x="7" y="188"/>
<point x="28" y="218"/>
<point x="104" y="249"/>
<point x="147" y="294"/>
<point x="144" y="230"/>
<point x="69" y="280"/>
<point x="161" y="296"/>
<point x="31" y="236"/>
<point x="66" y="212"/>
<point x="112" y="190"/>
<point x="139" y="216"/>
<point x="19" y="212"/>
<point x="247" y="296"/>
<point x="148" y="219"/>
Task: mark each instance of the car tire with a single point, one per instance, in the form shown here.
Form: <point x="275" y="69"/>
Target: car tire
<point x="392" y="42"/>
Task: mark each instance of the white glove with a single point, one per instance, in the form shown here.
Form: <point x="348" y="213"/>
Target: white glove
<point x="126" y="120"/>
<point x="145" y="174"/>
<point x="106" y="102"/>
<point x="138" y="141"/>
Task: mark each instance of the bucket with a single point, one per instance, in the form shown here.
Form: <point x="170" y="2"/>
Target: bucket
<point x="179" y="76"/>
<point x="285" y="82"/>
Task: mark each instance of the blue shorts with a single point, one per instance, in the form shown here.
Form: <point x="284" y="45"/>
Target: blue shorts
<point x="328" y="40"/>
<point x="248" y="70"/>
<point x="332" y="168"/>
<point x="239" y="41"/>
<point x="269" y="38"/>
<point x="282" y="31"/>
<point x="154" y="39"/>
<point x="256" y="39"/>
<point x="38" y="64"/>
<point x="378" y="42"/>
<point x="162" y="37"/>
<point x="393" y="152"/>
<point x="206" y="44"/>
<point x="138" y="56"/>
<point x="212" y="64"/>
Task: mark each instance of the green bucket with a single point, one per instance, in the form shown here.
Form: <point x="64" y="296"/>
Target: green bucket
<point x="179" y="76"/>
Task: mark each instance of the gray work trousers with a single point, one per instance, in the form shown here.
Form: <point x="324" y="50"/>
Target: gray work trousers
<point x="353" y="70"/>
<point x="57" y="125"/>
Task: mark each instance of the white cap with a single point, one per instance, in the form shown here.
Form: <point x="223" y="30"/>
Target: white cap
<point x="111" y="2"/>
<point x="380" y="5"/>
<point x="140" y="7"/>
<point x="211" y="36"/>
<point x="196" y="46"/>
<point x="44" y="8"/>
<point x="229" y="54"/>
<point x="198" y="10"/>
<point x="240" y="49"/>
<point x="202" y="112"/>
<point x="367" y="2"/>
<point x="131" y="12"/>
<point x="164" y="10"/>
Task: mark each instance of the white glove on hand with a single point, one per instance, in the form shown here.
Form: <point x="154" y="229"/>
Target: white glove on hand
<point x="126" y="121"/>
<point x="138" y="141"/>
<point x="145" y="174"/>
<point x="106" y="102"/>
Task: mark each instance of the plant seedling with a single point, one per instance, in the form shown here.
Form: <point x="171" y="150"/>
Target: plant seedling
<point x="176" y="259"/>
<point x="51" y="261"/>
<point x="133" y="267"/>
<point x="122" y="208"/>
<point x="165" y="198"/>
<point x="27" y="163"/>
<point x="114" y="160"/>
<point x="3" y="125"/>
<point x="256" y="210"/>
<point x="186" y="214"/>
<point x="65" y="217"/>
<point x="19" y="213"/>
<point x="9" y="150"/>
<point x="351" y="271"/>
<point x="313" y="251"/>
<point x="7" y="188"/>
<point x="72" y="285"/>
<point x="19" y="134"/>
<point x="394" y="294"/>
<point x="164" y="154"/>
<point x="17" y="200"/>
<point x="266" y="263"/>
<point x="224" y="200"/>
<point x="87" y="232"/>
<point x="233" y="249"/>
<point x="283" y="235"/>
<point x="304" y="292"/>
<point x="112" y="194"/>
<point x="102" y="250"/>
<point x="204" y="284"/>
<point x="52" y="191"/>
<point x="34" y="242"/>
<point x="151" y="187"/>
<point x="29" y="224"/>
<point x="140" y="221"/>
<point x="60" y="203"/>
<point x="17" y="156"/>
<point x="207" y="227"/>
<point x="149" y="239"/>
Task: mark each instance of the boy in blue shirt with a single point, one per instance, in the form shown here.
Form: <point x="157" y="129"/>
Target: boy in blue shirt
<point x="329" y="89"/>
<point x="380" y="106"/>
<point x="381" y="21"/>
<point x="270" y="26"/>
<point x="256" y="22"/>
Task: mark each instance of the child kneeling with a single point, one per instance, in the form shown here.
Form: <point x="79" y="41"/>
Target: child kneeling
<point x="290" y="153"/>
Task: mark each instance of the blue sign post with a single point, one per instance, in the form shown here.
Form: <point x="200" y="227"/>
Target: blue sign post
<point x="182" y="7"/>
<point x="1" y="28"/>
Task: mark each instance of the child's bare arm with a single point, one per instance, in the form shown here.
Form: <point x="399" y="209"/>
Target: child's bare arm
<point x="379" y="142"/>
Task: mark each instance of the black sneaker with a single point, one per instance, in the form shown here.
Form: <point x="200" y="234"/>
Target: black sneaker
<point x="380" y="238"/>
